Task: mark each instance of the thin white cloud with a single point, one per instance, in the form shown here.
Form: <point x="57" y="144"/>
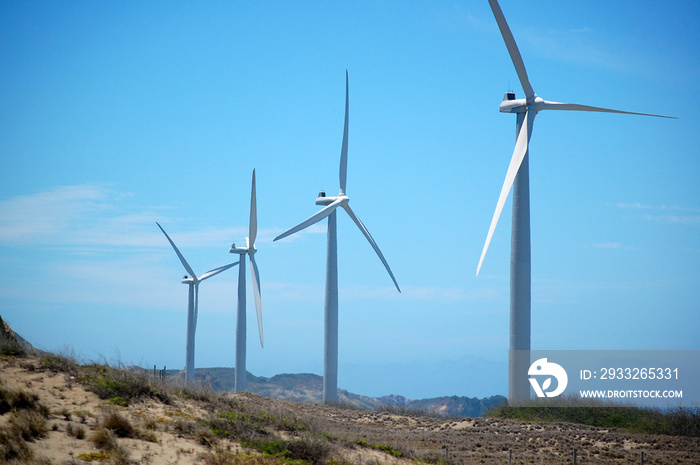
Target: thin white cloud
<point x="635" y="206"/>
<point x="582" y="47"/>
<point x="660" y="214"/>
<point x="90" y="218"/>
<point x="319" y="228"/>
<point x="673" y="219"/>
<point x="679" y="208"/>
<point x="421" y="293"/>
<point x="41" y="216"/>
<point x="607" y="245"/>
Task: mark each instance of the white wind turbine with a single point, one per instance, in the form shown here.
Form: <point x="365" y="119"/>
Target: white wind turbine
<point x="330" y="364"/>
<point x="518" y="177"/>
<point x="192" y="306"/>
<point x="239" y="384"/>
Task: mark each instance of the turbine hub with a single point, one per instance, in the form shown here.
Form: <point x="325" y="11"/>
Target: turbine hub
<point x="537" y="104"/>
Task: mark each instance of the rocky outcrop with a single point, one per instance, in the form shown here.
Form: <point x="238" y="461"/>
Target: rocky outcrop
<point x="11" y="343"/>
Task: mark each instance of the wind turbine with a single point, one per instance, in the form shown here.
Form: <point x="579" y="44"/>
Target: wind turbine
<point x="517" y="177"/>
<point x="239" y="383"/>
<point x="330" y="364"/>
<point x="192" y="306"/>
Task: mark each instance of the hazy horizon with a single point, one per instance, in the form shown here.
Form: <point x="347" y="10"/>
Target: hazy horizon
<point x="115" y="116"/>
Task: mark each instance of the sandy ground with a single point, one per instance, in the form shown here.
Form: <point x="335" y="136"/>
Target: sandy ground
<point x="491" y="440"/>
<point x="73" y="407"/>
<point x="461" y="441"/>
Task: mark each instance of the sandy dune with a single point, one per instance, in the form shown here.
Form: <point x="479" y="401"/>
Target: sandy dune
<point x="169" y="431"/>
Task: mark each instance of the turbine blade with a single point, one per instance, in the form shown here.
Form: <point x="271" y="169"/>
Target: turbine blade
<point x="576" y="107"/>
<point x="216" y="271"/>
<point x="311" y="220"/>
<point x="521" y="145"/>
<point x="256" y="291"/>
<point x="371" y="242"/>
<point x="344" y="149"/>
<point x="253" y="225"/>
<point x="182" y="259"/>
<point x="512" y="49"/>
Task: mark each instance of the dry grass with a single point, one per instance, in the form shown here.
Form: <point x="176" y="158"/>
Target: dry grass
<point x="104" y="439"/>
<point x="78" y="432"/>
<point x="672" y="422"/>
<point x="311" y="451"/>
<point x="120" y="425"/>
<point x="13" y="400"/>
<point x="208" y="428"/>
<point x="110" y="449"/>
<point x="220" y="456"/>
<point x="28" y="423"/>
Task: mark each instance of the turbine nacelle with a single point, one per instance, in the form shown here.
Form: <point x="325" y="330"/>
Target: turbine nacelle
<point x="239" y="250"/>
<point x="512" y="105"/>
<point x="324" y="200"/>
<point x="187" y="280"/>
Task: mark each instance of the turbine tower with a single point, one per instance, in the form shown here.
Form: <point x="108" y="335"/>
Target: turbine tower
<point x="239" y="384"/>
<point x="192" y="306"/>
<point x="517" y="177"/>
<point x="330" y="364"/>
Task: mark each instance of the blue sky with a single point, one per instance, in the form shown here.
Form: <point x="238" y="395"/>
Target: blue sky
<point x="117" y="115"/>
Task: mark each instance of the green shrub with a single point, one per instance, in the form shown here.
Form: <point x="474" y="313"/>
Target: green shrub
<point x="382" y="447"/>
<point x="120" y="385"/>
<point x="219" y="456"/>
<point x="118" y="401"/>
<point x="14" y="350"/>
<point x="60" y="364"/>
<point x="235" y="425"/>
<point x="673" y="422"/>
<point x="312" y="452"/>
<point x="94" y="456"/>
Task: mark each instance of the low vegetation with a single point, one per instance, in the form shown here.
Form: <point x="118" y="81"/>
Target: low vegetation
<point x="269" y="436"/>
<point x="12" y="400"/>
<point x="382" y="447"/>
<point x="27" y="423"/>
<point x="309" y="451"/>
<point x="224" y="429"/>
<point x="409" y="411"/>
<point x="672" y="421"/>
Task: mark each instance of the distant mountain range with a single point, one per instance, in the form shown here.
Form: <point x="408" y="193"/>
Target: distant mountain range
<point x="308" y="388"/>
<point x="302" y="387"/>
